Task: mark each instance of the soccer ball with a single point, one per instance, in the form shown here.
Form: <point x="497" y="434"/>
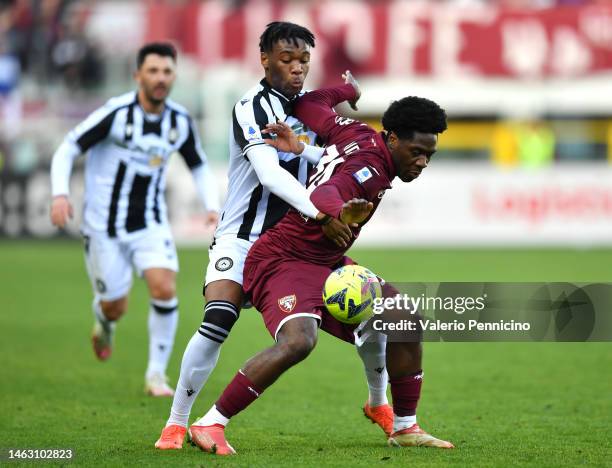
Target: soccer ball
<point x="349" y="293"/>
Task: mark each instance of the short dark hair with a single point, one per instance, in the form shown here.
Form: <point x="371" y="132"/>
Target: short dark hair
<point x="279" y="30"/>
<point x="165" y="49"/>
<point x="414" y="114"/>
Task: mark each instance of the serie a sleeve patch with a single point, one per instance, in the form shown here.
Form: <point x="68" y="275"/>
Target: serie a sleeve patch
<point x="363" y="174"/>
<point x="253" y="134"/>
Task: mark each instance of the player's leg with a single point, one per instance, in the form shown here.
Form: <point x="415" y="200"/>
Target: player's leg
<point x="372" y="352"/>
<point x="111" y="310"/>
<point x="404" y="364"/>
<point x="162" y="324"/>
<point x="279" y="289"/>
<point x="224" y="298"/>
<point x="373" y="356"/>
<point x="110" y="274"/>
<point x="154" y="257"/>
<point x="295" y="340"/>
<point x="106" y="314"/>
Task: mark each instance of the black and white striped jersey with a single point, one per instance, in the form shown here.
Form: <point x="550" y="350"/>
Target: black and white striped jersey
<point x="127" y="154"/>
<point x="250" y="208"/>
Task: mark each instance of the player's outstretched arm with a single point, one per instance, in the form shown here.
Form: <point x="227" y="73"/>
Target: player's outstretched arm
<point x="61" y="169"/>
<point x="207" y="189"/>
<point x="282" y="184"/>
<point x="316" y="108"/>
<point x="88" y="133"/>
<point x="205" y="183"/>
<point x="287" y="141"/>
<point x="356" y="210"/>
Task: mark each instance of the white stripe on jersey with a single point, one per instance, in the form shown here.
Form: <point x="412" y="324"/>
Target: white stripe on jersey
<point x="250" y="208"/>
<point x="127" y="155"/>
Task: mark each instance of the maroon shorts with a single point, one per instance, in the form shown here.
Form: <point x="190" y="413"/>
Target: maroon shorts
<point x="282" y="289"/>
<point x="285" y="288"/>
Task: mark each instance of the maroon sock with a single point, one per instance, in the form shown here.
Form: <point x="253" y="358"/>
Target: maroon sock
<point x="406" y="392"/>
<point x="239" y="394"/>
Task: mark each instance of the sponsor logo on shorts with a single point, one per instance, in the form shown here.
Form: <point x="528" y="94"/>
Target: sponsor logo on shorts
<point x="100" y="286"/>
<point x="224" y="264"/>
<point x="287" y="303"/>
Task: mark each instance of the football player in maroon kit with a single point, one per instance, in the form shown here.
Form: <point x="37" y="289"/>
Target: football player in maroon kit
<point x="287" y="267"/>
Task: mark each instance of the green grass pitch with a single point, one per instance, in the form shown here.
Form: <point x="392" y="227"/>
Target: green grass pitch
<point x="502" y="404"/>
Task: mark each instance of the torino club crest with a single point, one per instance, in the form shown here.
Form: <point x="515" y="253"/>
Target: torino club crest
<point x="287" y="303"/>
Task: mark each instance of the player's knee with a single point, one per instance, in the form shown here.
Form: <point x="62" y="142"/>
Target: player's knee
<point x="163" y="291"/>
<point x="224" y="290"/>
<point x="297" y="348"/>
<point x="113" y="310"/>
<point x="297" y="338"/>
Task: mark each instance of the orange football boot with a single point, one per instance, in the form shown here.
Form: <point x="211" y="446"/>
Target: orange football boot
<point x="381" y="415"/>
<point x="211" y="439"/>
<point x="171" y="438"/>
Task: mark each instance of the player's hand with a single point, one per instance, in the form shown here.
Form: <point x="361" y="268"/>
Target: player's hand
<point x="286" y="140"/>
<point x="356" y="210"/>
<point x="337" y="231"/>
<point x="61" y="211"/>
<point x="211" y="219"/>
<point x="348" y="78"/>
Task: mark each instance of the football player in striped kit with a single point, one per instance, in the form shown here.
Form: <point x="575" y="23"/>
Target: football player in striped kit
<point x="263" y="184"/>
<point x="128" y="142"/>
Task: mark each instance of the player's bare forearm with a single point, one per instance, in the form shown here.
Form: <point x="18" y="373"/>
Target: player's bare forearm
<point x="338" y="232"/>
<point x="356" y="210"/>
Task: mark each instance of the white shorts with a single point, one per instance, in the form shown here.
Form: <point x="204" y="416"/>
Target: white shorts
<point x="110" y="261"/>
<point x="226" y="259"/>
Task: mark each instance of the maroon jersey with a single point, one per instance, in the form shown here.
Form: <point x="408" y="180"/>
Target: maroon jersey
<point x="356" y="164"/>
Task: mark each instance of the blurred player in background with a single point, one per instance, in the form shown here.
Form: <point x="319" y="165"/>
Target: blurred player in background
<point x="263" y="185"/>
<point x="129" y="141"/>
<point x="285" y="270"/>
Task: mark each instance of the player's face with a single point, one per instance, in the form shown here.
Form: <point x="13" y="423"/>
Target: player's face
<point x="411" y="156"/>
<point x="155" y="77"/>
<point x="287" y="65"/>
